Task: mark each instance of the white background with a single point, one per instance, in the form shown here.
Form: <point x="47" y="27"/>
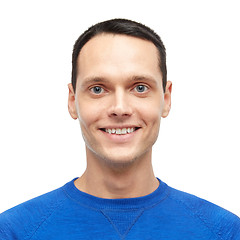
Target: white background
<point x="41" y="147"/>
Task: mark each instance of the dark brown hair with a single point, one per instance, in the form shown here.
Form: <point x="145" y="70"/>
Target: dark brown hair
<point x="125" y="27"/>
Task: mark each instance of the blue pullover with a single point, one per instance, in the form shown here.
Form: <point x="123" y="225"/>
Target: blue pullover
<point x="69" y="214"/>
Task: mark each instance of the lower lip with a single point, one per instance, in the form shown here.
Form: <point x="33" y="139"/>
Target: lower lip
<point x="120" y="138"/>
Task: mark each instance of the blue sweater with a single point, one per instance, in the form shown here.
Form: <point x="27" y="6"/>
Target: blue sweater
<point x="69" y="214"/>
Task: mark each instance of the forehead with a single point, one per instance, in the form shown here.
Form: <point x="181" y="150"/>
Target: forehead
<point x="116" y="54"/>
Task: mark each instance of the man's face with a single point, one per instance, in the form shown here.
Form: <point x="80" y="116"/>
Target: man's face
<point x="119" y="98"/>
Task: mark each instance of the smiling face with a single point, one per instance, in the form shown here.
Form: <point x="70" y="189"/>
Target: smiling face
<point x="119" y="99"/>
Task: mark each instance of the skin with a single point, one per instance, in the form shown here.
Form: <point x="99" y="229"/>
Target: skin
<point x="119" y="85"/>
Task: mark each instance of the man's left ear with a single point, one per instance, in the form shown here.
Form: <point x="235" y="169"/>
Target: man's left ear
<point x="167" y="99"/>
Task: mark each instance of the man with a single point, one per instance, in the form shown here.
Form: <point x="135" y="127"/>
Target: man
<point x="119" y="93"/>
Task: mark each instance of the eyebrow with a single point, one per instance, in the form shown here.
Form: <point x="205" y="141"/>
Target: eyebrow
<point x="147" y="78"/>
<point x="135" y="78"/>
<point x="94" y="79"/>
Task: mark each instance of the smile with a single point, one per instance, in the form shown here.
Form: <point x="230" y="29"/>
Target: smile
<point x="119" y="131"/>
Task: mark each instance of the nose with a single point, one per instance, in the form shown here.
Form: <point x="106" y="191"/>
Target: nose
<point x="120" y="105"/>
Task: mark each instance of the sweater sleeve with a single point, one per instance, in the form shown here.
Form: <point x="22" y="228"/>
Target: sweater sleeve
<point x="220" y="222"/>
<point x="223" y="223"/>
<point x="22" y="221"/>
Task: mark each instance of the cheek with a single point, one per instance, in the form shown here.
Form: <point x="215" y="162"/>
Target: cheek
<point x="152" y="118"/>
<point x="152" y="112"/>
<point x="88" y="113"/>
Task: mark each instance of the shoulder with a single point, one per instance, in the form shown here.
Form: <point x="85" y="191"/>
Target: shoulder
<point x="21" y="222"/>
<point x="218" y="220"/>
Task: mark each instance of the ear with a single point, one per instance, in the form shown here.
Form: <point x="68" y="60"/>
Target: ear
<point x="167" y="99"/>
<point x="71" y="102"/>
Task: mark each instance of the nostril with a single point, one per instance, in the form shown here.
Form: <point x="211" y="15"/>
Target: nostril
<point x="119" y="105"/>
<point x="120" y="112"/>
<point x="114" y="114"/>
<point x="120" y="115"/>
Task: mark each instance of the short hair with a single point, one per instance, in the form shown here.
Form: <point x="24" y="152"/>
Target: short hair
<point x="123" y="27"/>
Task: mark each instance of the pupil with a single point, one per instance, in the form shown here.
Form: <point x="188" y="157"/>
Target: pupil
<point x="140" y="88"/>
<point x="97" y="89"/>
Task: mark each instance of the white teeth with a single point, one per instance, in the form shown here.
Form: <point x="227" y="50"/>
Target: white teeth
<point x="119" y="131"/>
<point x="129" y="130"/>
<point x="124" y="131"/>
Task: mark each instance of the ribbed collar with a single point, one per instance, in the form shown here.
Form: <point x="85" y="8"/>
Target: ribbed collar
<point x="88" y="200"/>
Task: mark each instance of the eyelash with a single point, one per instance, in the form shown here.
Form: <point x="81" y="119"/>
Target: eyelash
<point x="99" y="87"/>
<point x="142" y="85"/>
<point x="135" y="88"/>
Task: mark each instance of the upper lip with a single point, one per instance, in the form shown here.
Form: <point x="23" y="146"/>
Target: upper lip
<point x="120" y="127"/>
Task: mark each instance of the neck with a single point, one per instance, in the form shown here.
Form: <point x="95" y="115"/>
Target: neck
<point x="127" y="181"/>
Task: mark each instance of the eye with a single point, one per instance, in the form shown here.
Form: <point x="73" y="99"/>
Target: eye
<point x="141" y="88"/>
<point x="96" y="90"/>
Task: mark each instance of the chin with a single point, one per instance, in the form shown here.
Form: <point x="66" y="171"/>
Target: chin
<point x="121" y="161"/>
<point x="119" y="164"/>
<point x="118" y="158"/>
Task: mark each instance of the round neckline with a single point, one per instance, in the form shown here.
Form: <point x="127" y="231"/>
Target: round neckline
<point x="91" y="201"/>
